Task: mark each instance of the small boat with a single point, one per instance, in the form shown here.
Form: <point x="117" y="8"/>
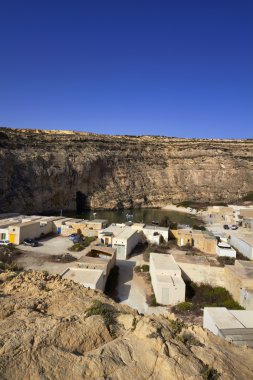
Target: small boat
<point x="155" y="222"/>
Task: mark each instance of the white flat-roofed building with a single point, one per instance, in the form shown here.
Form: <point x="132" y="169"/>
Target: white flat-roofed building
<point x="125" y="242"/>
<point x="224" y="249"/>
<point x="156" y="234"/>
<point x="232" y="325"/>
<point x="121" y="237"/>
<point x="244" y="244"/>
<point x="169" y="288"/>
<point x="90" y="278"/>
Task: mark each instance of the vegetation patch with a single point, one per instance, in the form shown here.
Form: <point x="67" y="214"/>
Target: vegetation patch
<point x="83" y="244"/>
<point x="225" y="260"/>
<point x="64" y="258"/>
<point x="107" y="312"/>
<point x="183" y="307"/>
<point x="204" y="295"/>
<point x="176" y="326"/>
<point x="189" y="340"/>
<point x="7" y="255"/>
<point x="209" y="373"/>
<point x="141" y="268"/>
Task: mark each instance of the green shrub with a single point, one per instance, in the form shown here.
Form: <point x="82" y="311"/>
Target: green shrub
<point x="184" y="306"/>
<point x="145" y="268"/>
<point x="205" y="295"/>
<point x="137" y="269"/>
<point x="106" y="311"/>
<point x="189" y="340"/>
<point x="80" y="246"/>
<point x="224" y="260"/>
<point x="209" y="373"/>
<point x="176" y="326"/>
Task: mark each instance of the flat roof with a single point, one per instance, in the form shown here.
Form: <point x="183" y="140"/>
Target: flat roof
<point x="122" y="232"/>
<point x="126" y="233"/>
<point x="223" y="319"/>
<point x="84" y="276"/>
<point x="113" y="229"/>
<point x="163" y="261"/>
<point x="24" y="224"/>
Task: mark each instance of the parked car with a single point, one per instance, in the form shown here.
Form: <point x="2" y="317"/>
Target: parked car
<point x="226" y="227"/>
<point x="234" y="227"/>
<point x="73" y="236"/>
<point x="31" y="242"/>
<point x="5" y="242"/>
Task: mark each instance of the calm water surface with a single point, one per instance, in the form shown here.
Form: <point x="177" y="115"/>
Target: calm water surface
<point x="138" y="215"/>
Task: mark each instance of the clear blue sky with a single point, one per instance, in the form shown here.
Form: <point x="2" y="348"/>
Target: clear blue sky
<point x="173" y="68"/>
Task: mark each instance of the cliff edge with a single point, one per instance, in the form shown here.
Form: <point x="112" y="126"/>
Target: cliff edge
<point x="53" y="170"/>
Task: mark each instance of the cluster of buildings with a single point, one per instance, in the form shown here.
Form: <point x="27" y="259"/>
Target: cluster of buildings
<point x="125" y="237"/>
<point x="17" y="228"/>
<point x="234" y="215"/>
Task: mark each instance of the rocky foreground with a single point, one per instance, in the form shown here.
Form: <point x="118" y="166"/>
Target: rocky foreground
<point x="53" y="170"/>
<point x="55" y="329"/>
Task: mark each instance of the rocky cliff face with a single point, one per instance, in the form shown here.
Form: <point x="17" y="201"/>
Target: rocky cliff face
<point x="42" y="171"/>
<point x="51" y="329"/>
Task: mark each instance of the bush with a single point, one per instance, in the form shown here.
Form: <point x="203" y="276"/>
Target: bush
<point x="106" y="311"/>
<point x="224" y="260"/>
<point x="184" y="306"/>
<point x="210" y="373"/>
<point x="80" y="246"/>
<point x="137" y="269"/>
<point x="189" y="340"/>
<point x="206" y="295"/>
<point x="141" y="268"/>
<point x="176" y="326"/>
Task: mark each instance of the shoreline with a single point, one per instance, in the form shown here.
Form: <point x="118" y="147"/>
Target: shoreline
<point x="184" y="210"/>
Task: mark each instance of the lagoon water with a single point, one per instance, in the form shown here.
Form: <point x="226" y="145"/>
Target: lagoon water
<point x="138" y="215"/>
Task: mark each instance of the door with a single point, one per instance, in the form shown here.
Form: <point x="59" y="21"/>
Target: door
<point x="59" y="230"/>
<point x="12" y="238"/>
<point x="121" y="252"/>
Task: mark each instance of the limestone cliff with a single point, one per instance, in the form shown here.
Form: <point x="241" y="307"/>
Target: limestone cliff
<point x="51" y="330"/>
<point x="50" y="170"/>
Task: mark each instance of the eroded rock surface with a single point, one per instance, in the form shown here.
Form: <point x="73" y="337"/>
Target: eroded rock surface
<point x="48" y="170"/>
<point x="47" y="333"/>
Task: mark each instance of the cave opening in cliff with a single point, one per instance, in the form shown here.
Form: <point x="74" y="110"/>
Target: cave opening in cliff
<point x="82" y="202"/>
